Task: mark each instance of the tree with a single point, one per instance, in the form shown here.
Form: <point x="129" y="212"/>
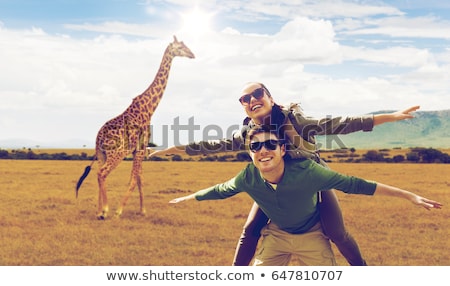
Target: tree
<point x="413" y="157"/>
<point x="373" y="155"/>
<point x="398" y="158"/>
<point x="177" y="158"/>
<point x="430" y="155"/>
<point x="4" y="154"/>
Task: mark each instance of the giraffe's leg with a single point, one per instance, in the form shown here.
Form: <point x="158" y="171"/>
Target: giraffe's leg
<point x="140" y="184"/>
<point x="134" y="180"/>
<point x="131" y="187"/>
<point x="141" y="155"/>
<point x="102" y="197"/>
<point x="103" y="172"/>
<point x="140" y="178"/>
<point x="141" y="193"/>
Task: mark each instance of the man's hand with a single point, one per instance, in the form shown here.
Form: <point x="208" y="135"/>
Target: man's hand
<point x="182" y="199"/>
<point x="426" y="203"/>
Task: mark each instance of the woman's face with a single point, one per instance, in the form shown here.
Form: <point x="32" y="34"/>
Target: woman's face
<point x="256" y="108"/>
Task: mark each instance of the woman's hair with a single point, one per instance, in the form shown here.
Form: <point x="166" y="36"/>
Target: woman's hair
<point x="265" y="89"/>
<point x="261" y="85"/>
<point x="277" y="117"/>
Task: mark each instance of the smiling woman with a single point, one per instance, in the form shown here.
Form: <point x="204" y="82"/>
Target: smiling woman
<point x="196" y="22"/>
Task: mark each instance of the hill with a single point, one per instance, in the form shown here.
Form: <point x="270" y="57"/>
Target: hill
<point x="427" y="129"/>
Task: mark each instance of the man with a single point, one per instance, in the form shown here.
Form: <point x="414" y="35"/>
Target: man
<point x="286" y="190"/>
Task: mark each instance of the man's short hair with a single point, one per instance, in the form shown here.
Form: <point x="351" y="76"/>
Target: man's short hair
<point x="272" y="129"/>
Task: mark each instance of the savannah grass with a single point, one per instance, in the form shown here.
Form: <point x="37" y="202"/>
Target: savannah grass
<point x="42" y="223"/>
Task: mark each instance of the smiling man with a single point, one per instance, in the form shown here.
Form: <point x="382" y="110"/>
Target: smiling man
<point x="286" y="190"/>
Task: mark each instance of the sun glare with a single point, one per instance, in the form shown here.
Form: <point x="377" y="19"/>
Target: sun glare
<point x="196" y="22"/>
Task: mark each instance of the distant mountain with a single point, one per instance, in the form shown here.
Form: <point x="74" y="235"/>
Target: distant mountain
<point x="430" y="129"/>
<point x="19" y="143"/>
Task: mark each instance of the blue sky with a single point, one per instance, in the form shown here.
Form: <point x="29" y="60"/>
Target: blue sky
<point x="69" y="66"/>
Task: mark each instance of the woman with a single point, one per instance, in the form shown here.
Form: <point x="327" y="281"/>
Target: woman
<point x="299" y="132"/>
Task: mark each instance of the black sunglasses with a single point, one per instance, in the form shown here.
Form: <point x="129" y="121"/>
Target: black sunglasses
<point x="268" y="144"/>
<point x="257" y="94"/>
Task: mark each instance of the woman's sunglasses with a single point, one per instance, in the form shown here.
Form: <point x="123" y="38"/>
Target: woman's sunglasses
<point x="268" y="144"/>
<point x="257" y="94"/>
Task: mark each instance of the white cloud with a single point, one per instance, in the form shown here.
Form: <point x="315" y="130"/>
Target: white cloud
<point x="74" y="84"/>
<point x="417" y="27"/>
<point x="120" y="28"/>
<point x="303" y="40"/>
<point x="395" y="56"/>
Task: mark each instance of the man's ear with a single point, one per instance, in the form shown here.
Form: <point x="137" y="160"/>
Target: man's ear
<point x="283" y="149"/>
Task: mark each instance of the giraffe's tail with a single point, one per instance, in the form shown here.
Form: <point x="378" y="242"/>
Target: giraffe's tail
<point x="83" y="176"/>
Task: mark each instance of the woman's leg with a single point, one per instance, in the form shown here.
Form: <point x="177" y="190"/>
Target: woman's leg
<point x="246" y="247"/>
<point x="333" y="226"/>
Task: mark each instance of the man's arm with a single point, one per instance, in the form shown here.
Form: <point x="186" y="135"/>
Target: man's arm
<point x="182" y="199"/>
<point x="387" y="190"/>
<point x="325" y="178"/>
<point x="217" y="192"/>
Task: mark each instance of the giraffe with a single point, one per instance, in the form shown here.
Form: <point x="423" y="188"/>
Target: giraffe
<point x="129" y="133"/>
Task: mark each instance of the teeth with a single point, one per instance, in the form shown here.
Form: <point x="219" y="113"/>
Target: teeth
<point x="265" y="159"/>
<point x="256" y="106"/>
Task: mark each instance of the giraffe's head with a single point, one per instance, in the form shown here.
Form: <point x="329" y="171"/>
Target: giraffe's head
<point x="179" y="49"/>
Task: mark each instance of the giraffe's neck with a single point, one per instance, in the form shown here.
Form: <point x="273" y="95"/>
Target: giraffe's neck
<point x="151" y="97"/>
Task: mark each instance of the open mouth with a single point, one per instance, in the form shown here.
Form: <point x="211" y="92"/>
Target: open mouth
<point x="256" y="106"/>
<point x="266" y="159"/>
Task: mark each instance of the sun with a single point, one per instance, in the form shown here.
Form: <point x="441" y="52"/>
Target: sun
<point x="196" y="22"/>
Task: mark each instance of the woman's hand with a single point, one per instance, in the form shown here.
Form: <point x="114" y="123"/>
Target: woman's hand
<point x="394" y="116"/>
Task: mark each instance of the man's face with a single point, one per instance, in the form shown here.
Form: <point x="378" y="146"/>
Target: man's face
<point x="256" y="108"/>
<point x="265" y="159"/>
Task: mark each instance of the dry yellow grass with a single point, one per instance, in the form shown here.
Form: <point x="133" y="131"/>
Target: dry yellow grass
<point x="43" y="224"/>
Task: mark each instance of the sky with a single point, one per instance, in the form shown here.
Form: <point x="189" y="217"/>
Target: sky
<point x="69" y="66"/>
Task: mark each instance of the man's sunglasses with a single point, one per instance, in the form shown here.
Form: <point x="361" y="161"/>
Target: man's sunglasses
<point x="257" y="94"/>
<point x="268" y="144"/>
